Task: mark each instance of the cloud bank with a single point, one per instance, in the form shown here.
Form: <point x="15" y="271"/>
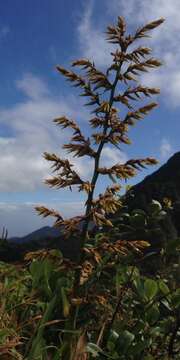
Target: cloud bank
<point x="166" y="149"/>
<point x="165" y="40"/>
<point x="22" y="165"/>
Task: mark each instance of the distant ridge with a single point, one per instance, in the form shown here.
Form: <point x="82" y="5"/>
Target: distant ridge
<point x="46" y="231"/>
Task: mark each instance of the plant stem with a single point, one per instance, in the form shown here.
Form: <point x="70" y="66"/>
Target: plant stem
<point x="117" y="308"/>
<point x="93" y="183"/>
<point x="76" y="286"/>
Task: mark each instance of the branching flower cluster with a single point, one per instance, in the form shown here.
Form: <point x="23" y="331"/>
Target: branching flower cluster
<point x="106" y="92"/>
<point x="95" y="85"/>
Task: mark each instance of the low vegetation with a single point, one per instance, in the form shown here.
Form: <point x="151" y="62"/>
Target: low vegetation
<point x="130" y="304"/>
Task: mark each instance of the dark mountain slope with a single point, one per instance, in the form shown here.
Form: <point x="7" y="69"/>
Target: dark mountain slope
<point x="15" y="249"/>
<point x="163" y="183"/>
<point x="44" y="238"/>
<point x="44" y="232"/>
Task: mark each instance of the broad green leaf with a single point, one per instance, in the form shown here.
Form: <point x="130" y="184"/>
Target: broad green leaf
<point x="125" y="340"/>
<point x="163" y="287"/>
<point x="152" y="315"/>
<point x="150" y="288"/>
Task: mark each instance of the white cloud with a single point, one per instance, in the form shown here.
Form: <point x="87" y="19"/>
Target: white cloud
<point x="112" y="156"/>
<point x="109" y="157"/>
<point x="165" y="40"/>
<point x="166" y="149"/>
<point x="21" y="218"/>
<point x="6" y="141"/>
<point x="92" y="40"/>
<point x="30" y="122"/>
<point x="22" y="166"/>
<point x="32" y="86"/>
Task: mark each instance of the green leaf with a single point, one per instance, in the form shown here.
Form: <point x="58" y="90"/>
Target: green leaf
<point x="152" y="315"/>
<point x="129" y="337"/>
<point x="113" y="335"/>
<point x="138" y="221"/>
<point x="166" y="304"/>
<point x="139" y="285"/>
<point x="56" y="253"/>
<point x="163" y="287"/>
<point x="122" y="275"/>
<point x="139" y="211"/>
<point x="171" y="246"/>
<point x="37" y="340"/>
<point x="65" y="302"/>
<point x="94" y="349"/>
<point x="161" y="215"/>
<point x="155" y="206"/>
<point x="39" y="350"/>
<point x="176" y="299"/>
<point x="150" y="288"/>
<point x="125" y="340"/>
<point x="138" y="348"/>
<point x="155" y="331"/>
<point x="41" y="271"/>
<point x="47" y="273"/>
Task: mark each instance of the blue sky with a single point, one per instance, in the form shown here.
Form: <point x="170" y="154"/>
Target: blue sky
<point x="34" y="37"/>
